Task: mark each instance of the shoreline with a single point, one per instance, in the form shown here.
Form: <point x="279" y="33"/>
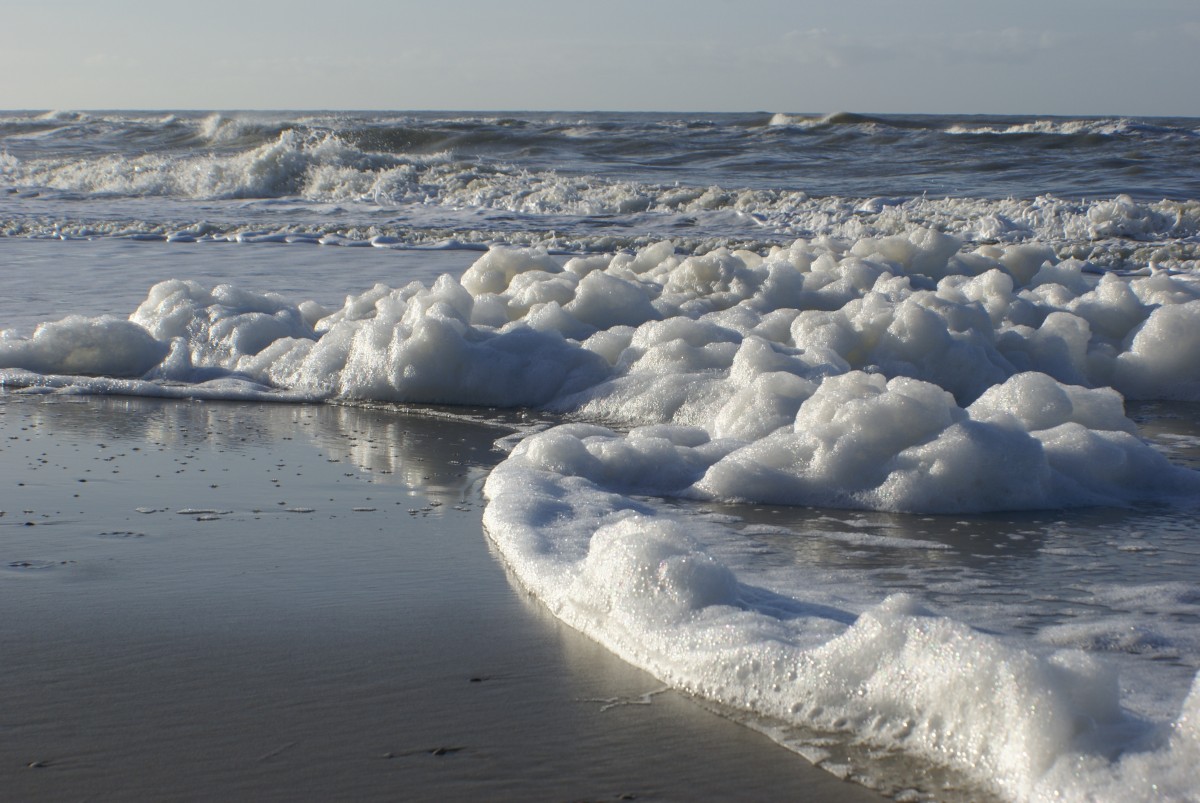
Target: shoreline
<point x="209" y="600"/>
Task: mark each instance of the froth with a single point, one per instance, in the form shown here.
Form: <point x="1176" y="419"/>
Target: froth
<point x="1026" y="723"/>
<point x="897" y="373"/>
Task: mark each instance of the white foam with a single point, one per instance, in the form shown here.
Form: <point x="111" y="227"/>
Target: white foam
<point x="86" y="346"/>
<point x="892" y="373"/>
<point x="1102" y="127"/>
<point x="1027" y="723"/>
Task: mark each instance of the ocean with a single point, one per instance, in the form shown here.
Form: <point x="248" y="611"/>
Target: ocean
<point x="880" y="433"/>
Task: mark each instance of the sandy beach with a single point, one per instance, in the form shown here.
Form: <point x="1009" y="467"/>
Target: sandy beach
<point x="212" y="601"/>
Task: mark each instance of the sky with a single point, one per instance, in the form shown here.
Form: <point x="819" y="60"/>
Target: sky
<point x="1070" y="57"/>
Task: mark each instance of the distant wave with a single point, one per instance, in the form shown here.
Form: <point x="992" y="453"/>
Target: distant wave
<point x="827" y="120"/>
<point x="1089" y="188"/>
<point x="324" y="168"/>
<point x="1106" y="127"/>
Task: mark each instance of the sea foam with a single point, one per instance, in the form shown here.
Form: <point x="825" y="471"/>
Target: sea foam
<point x="870" y="364"/>
<point x="892" y="373"/>
<point x="1027" y="723"/>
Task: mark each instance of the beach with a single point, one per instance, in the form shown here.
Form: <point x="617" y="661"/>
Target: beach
<point x="594" y="455"/>
<point x="222" y="600"/>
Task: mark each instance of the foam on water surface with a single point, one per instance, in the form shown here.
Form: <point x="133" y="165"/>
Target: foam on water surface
<point x="1027" y="722"/>
<point x="702" y="351"/>
<point x="894" y="374"/>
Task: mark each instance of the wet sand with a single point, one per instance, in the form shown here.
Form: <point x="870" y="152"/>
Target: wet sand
<point x="211" y="601"/>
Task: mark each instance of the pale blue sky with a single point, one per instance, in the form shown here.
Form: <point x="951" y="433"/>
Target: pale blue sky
<point x="1102" y="57"/>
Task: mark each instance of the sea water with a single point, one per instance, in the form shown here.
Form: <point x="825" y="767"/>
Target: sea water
<point x="880" y="432"/>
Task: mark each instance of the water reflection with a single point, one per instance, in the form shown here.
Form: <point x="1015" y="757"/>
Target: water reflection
<point x="441" y="457"/>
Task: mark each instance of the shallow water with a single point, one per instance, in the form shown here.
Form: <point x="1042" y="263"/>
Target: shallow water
<point x="1121" y="582"/>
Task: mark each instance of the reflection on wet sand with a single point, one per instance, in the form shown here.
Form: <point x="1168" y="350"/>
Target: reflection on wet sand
<point x="438" y="455"/>
<point x="305" y="638"/>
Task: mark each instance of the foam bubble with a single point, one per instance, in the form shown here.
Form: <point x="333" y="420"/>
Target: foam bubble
<point x="1027" y="723"/>
<point x="102" y="346"/>
<point x="889" y="373"/>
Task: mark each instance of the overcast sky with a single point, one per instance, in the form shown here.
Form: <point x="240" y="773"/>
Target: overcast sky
<point x="1100" y="57"/>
